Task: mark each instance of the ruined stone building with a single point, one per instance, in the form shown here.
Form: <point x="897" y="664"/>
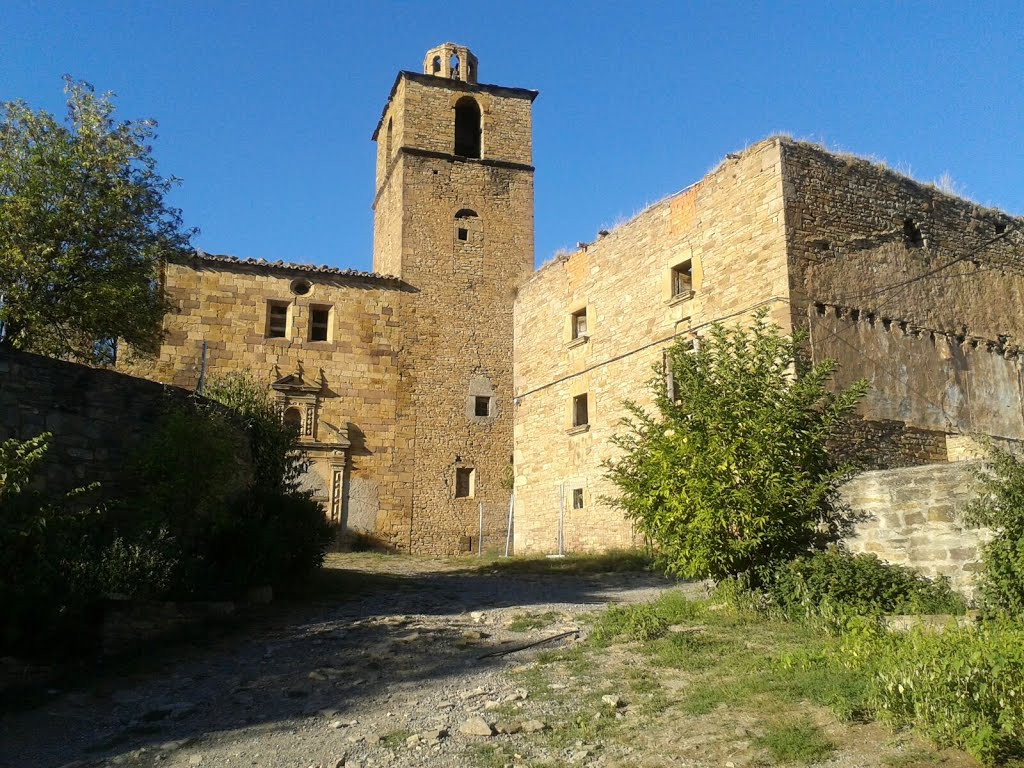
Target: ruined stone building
<point x="422" y="389"/>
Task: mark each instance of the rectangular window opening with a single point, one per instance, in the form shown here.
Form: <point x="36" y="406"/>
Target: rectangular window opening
<point x="580" y="417"/>
<point x="464" y="482"/>
<point x="482" y="406"/>
<point x="577" y="498"/>
<point x="277" y="320"/>
<point x="319" y="323"/>
<point x="682" y="279"/>
<point x="579" y="324"/>
<point x="463" y="233"/>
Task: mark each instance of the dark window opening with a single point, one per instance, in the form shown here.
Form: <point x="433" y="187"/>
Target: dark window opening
<point x="1000" y="227"/>
<point x="912" y="234"/>
<point x="579" y="324"/>
<point x="463" y="233"/>
<point x="682" y="279"/>
<point x="580" y="417"/>
<point x="387" y="144"/>
<point x="482" y="406"/>
<point x="436" y="65"/>
<point x="577" y="498"/>
<point x="454" y="66"/>
<point x="293" y="420"/>
<point x="277" y="320"/>
<point x="319" y="323"/>
<point x="464" y="483"/>
<point x="467" y="128"/>
<point x="301" y="287"/>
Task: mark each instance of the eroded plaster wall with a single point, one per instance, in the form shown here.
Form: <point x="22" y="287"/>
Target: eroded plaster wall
<point x="914" y="289"/>
<point x="729" y="227"/>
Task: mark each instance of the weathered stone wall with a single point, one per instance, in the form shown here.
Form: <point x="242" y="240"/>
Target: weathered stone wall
<point x="730" y="227"/>
<point x="887" y="444"/>
<point x="928" y="380"/>
<point x="98" y="418"/>
<point x="225" y="302"/>
<point x="911" y="288"/>
<point x="457" y="318"/>
<point x="914" y="519"/>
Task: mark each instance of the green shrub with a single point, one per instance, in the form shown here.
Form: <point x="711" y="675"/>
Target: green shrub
<point x="636" y="622"/>
<point x="1000" y="506"/>
<point x="645" y="621"/>
<point x="856" y="584"/>
<point x="964" y="686"/>
<point x="222" y="481"/>
<point x="47" y="547"/>
<point x="730" y="473"/>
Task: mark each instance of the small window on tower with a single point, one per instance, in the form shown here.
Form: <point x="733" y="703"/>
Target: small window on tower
<point x="464" y="483"/>
<point x="277" y="320"/>
<point x="577" y="498"/>
<point x="482" y="406"/>
<point x="463" y="233"/>
<point x="319" y="323"/>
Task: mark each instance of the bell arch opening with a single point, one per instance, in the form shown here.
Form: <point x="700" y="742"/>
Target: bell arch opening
<point x="467" y="128"/>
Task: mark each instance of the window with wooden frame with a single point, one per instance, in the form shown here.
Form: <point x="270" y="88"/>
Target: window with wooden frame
<point x="277" y="319"/>
<point x="682" y="279"/>
<point x="465" y="482"/>
<point x="319" y="323"/>
<point x="579" y="324"/>
<point x="580" y="411"/>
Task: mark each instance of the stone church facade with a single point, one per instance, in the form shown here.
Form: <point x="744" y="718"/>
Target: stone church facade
<point x="424" y="390"/>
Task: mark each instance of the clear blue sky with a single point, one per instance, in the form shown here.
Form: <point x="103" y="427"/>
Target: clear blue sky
<point x="266" y="108"/>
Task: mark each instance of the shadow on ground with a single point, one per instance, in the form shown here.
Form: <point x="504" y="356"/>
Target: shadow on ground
<point x="369" y="627"/>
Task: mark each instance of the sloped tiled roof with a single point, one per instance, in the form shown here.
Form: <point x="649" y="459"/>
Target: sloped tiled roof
<point x="285" y="266"/>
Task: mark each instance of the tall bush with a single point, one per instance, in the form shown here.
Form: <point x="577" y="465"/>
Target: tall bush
<point x="730" y="471"/>
<point x="1000" y="506"/>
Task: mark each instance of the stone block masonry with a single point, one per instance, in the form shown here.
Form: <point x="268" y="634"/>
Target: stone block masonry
<point x="913" y="518"/>
<point x="713" y="251"/>
<point x="912" y="289"/>
<point x="340" y="378"/>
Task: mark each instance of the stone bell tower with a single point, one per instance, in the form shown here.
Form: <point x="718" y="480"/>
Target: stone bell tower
<point x="453" y="218"/>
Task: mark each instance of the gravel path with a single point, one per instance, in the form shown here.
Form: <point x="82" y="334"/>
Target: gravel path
<point x="383" y="680"/>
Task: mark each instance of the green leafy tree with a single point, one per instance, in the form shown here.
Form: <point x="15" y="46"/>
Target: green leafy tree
<point x="84" y="228"/>
<point x="730" y="472"/>
<point x="1000" y="506"/>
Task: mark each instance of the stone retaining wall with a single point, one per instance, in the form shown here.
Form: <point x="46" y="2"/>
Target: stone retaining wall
<point x="98" y="418"/>
<point x="915" y="519"/>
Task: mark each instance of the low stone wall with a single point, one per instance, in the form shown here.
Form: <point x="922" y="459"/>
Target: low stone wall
<point x="913" y="517"/>
<point x="98" y="417"/>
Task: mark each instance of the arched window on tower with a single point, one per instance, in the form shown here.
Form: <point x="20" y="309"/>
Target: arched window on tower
<point x="469" y="229"/>
<point x="454" y="66"/>
<point x="467" y="127"/>
<point x="435" y="66"/>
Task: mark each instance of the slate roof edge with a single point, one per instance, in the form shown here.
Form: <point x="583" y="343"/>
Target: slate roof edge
<point x="281" y="266"/>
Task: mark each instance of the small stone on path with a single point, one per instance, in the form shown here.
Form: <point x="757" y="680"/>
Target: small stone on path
<point x="533" y="726"/>
<point x="476" y="726"/>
